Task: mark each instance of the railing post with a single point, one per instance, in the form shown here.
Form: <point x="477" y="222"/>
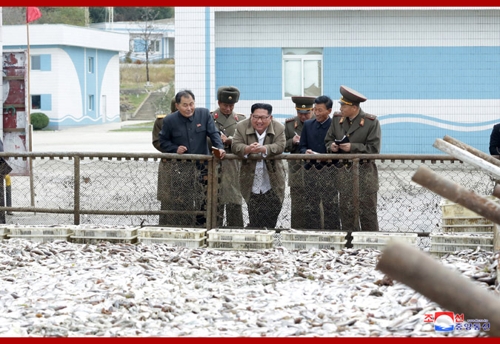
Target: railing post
<point x="355" y="192"/>
<point x="76" y="214"/>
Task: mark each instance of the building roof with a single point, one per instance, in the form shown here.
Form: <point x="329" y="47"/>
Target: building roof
<point x="62" y="34"/>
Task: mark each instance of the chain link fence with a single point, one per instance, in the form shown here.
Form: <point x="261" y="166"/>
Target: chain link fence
<point x="190" y="191"/>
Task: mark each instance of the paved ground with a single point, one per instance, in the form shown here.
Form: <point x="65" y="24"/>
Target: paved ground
<point x="94" y="138"/>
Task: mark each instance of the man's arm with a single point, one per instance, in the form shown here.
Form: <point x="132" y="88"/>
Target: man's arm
<point x="278" y="145"/>
<point x="165" y="136"/>
<point x="372" y="142"/>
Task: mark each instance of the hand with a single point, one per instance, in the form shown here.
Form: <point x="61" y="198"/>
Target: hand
<point x="223" y="137"/>
<point x="181" y="149"/>
<point x="254" y="148"/>
<point x="296" y="139"/>
<point x="334" y="148"/>
<point x="222" y="153"/>
<point x="309" y="151"/>
<point x="346" y="147"/>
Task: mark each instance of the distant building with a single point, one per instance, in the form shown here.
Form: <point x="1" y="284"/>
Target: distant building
<point x="159" y="33"/>
<point x="74" y="74"/>
<point x="427" y="72"/>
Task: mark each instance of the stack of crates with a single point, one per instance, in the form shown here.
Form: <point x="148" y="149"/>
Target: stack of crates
<point x="40" y="233"/>
<point x="94" y="234"/>
<point x="4" y="231"/>
<point x="378" y="240"/>
<point x="462" y="229"/>
<point x="305" y="240"/>
<point x="444" y="243"/>
<point x="240" y="239"/>
<point x="184" y="237"/>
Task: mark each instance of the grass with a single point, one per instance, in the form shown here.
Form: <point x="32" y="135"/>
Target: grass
<point x="144" y="126"/>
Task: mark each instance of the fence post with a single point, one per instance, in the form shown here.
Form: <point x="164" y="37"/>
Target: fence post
<point x="76" y="183"/>
<point x="8" y="193"/>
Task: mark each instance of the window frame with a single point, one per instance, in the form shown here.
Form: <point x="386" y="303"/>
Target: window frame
<point x="301" y="57"/>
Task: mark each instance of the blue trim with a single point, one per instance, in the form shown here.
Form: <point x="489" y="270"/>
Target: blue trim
<point x="45" y="102"/>
<point x="208" y="96"/>
<point x="257" y="72"/>
<point x="45" y="62"/>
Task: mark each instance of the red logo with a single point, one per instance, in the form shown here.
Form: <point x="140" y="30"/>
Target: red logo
<point x="459" y="318"/>
<point x="428" y="318"/>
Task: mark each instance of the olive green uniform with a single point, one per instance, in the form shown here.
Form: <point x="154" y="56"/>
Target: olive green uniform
<point x="230" y="197"/>
<point x="365" y="136"/>
<point x="295" y="174"/>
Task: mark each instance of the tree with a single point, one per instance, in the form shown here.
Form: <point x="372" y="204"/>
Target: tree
<point x="147" y="25"/>
<point x="98" y="14"/>
<point x="50" y="15"/>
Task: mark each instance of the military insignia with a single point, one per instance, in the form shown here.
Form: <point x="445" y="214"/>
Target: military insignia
<point x="342" y="120"/>
<point x="236" y="117"/>
<point x="290" y="119"/>
<point x="230" y="97"/>
<point x="216" y="115"/>
<point x="161" y="116"/>
<point x="371" y="117"/>
<point x="295" y="125"/>
<point x="362" y="122"/>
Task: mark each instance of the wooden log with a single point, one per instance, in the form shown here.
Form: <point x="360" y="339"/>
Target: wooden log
<point x="452" y="291"/>
<point x="472" y="150"/>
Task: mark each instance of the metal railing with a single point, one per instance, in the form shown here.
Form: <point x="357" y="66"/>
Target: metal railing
<point x="122" y="188"/>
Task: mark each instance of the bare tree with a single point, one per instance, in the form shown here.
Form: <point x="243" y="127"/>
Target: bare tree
<point x="148" y="28"/>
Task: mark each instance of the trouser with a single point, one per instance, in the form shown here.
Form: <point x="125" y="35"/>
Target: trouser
<point x="234" y="215"/>
<point x="264" y="209"/>
<point x="298" y="213"/>
<point x="368" y="188"/>
<point x="322" y="195"/>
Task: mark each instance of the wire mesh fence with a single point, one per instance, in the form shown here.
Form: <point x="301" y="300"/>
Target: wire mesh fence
<point x="189" y="191"/>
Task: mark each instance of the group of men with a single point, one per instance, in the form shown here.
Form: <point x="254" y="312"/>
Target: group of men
<point x="321" y="190"/>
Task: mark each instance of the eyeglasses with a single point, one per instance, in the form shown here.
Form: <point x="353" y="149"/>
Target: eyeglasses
<point x="262" y="118"/>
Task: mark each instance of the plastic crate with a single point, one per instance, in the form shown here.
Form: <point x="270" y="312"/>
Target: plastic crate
<point x="4" y="231"/>
<point x="313" y="236"/>
<point x="241" y="235"/>
<point x="366" y="245"/>
<point x="466" y="221"/>
<point x="467" y="239"/>
<point x="307" y="245"/>
<point x="41" y="239"/>
<point x="454" y="210"/>
<point x="468" y="229"/>
<point x="383" y="237"/>
<point x="173" y="242"/>
<point x="171" y="233"/>
<point x="98" y="240"/>
<point x="102" y="232"/>
<point x="450" y="248"/>
<point x="38" y="231"/>
<point x="239" y="245"/>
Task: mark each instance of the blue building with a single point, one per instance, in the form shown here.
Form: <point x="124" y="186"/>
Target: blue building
<point x="427" y="72"/>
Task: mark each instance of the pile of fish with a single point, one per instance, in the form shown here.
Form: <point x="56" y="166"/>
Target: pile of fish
<point x="63" y="289"/>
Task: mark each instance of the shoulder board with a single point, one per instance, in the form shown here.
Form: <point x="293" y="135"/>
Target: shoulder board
<point x="241" y="116"/>
<point x="372" y="117"/>
<point x="290" y="120"/>
<point x="337" y="114"/>
<point x="161" y="116"/>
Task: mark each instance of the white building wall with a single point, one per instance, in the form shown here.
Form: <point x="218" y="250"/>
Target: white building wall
<point x="111" y="89"/>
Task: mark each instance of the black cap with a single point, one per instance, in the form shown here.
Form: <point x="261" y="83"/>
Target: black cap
<point x="350" y="96"/>
<point x="228" y="94"/>
<point x="303" y="104"/>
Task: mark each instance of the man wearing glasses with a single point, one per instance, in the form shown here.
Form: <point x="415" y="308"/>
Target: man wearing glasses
<point x="262" y="181"/>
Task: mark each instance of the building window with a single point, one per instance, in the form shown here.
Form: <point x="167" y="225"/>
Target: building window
<point x="36" y="102"/>
<point x="302" y="72"/>
<point x="36" y="62"/>
<point x="91" y="102"/>
<point x="91" y="65"/>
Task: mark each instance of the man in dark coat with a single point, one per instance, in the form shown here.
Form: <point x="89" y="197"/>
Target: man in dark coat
<point x="185" y="132"/>
<point x="495" y="140"/>
<point x="356" y="132"/>
<point x="320" y="191"/>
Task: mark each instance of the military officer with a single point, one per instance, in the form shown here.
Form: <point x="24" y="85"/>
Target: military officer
<point x="356" y="132"/>
<point x="230" y="198"/>
<point x="293" y="129"/>
<point x="163" y="168"/>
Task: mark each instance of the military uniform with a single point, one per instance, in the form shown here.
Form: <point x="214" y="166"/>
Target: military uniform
<point x="365" y="136"/>
<point x="293" y="126"/>
<point x="230" y="198"/>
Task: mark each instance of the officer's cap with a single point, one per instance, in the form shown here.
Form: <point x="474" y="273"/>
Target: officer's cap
<point x="303" y="104"/>
<point x="173" y="108"/>
<point x="228" y="94"/>
<point x="350" y="96"/>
